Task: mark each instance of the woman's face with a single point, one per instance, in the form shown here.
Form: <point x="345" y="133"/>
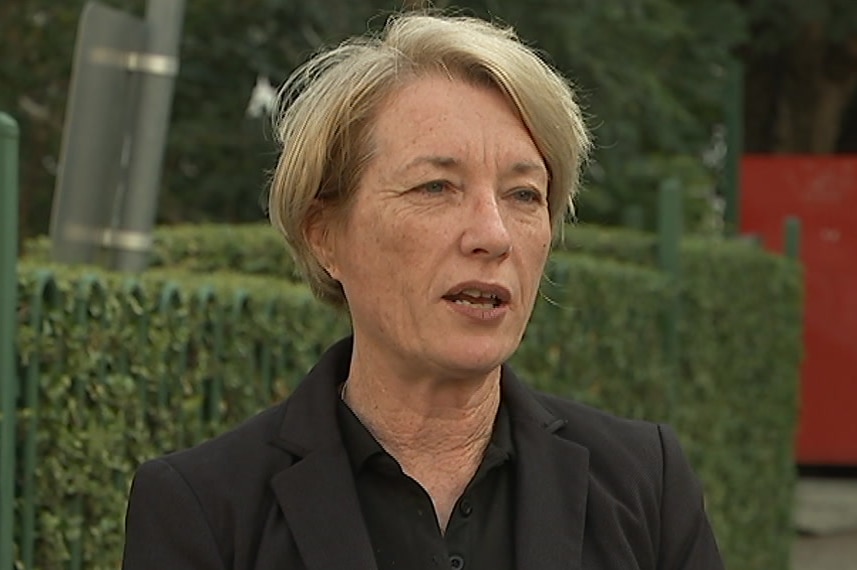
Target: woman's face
<point x="441" y="253"/>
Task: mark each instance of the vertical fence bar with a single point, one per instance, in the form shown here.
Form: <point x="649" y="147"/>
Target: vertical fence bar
<point x="81" y="319"/>
<point x="45" y="298"/>
<point x="90" y="305"/>
<point x="216" y="404"/>
<point x="135" y="317"/>
<point x="8" y="311"/>
<point x="240" y="314"/>
<point x="211" y="310"/>
<point x="202" y="338"/>
<point x="265" y="360"/>
<point x="284" y="382"/>
<point x="792" y="229"/>
<point x="176" y="358"/>
<point x="28" y="459"/>
<point x="670" y="218"/>
<point x="133" y="313"/>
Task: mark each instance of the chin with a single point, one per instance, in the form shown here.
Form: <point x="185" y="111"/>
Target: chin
<point x="479" y="358"/>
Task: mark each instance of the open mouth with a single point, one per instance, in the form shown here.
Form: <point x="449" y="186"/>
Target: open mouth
<point x="478" y="298"/>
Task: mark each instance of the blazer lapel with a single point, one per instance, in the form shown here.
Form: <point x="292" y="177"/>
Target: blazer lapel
<point x="320" y="504"/>
<point x="317" y="493"/>
<point x="552" y="485"/>
<point x="319" y="500"/>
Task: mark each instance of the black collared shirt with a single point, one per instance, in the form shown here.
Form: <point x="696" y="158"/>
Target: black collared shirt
<point x="400" y="517"/>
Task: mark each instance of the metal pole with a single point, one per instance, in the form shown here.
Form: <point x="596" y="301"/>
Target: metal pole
<point x="670" y="222"/>
<point x="734" y="148"/>
<point x="792" y="229"/>
<point x="139" y="206"/>
<point x="8" y="315"/>
<point x="102" y="103"/>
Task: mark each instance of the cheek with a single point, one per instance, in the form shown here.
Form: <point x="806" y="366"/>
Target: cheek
<point x="378" y="252"/>
<point x="537" y="256"/>
<point x="540" y="239"/>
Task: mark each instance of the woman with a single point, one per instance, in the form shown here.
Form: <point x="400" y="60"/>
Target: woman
<point x="422" y="177"/>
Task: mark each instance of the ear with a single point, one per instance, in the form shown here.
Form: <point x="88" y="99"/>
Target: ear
<point x="318" y="233"/>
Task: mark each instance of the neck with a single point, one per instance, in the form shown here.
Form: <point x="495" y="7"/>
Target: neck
<point x="437" y="429"/>
<point x="410" y="417"/>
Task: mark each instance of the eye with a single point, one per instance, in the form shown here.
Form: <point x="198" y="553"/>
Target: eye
<point x="527" y="195"/>
<point x="434" y="187"/>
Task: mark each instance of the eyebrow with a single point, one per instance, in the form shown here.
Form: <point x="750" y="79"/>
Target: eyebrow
<point x="450" y="163"/>
<point x="446" y="162"/>
<point x="528" y="167"/>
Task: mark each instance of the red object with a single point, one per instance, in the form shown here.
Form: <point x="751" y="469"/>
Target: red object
<point x="822" y="192"/>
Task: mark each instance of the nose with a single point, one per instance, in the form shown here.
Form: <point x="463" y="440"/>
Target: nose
<point x="486" y="231"/>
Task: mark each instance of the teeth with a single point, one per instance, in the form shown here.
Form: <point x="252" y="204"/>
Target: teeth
<point x="477" y="293"/>
<point x="477" y="305"/>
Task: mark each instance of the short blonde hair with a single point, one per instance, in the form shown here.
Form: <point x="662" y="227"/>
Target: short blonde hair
<point x="328" y="104"/>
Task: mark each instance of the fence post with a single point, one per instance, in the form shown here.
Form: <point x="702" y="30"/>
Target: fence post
<point x="670" y="221"/>
<point x="792" y="229"/>
<point x="8" y="316"/>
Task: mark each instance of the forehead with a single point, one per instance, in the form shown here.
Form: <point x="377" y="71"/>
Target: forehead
<point x="449" y="117"/>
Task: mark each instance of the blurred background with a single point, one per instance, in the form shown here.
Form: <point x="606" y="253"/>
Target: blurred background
<point x="655" y="76"/>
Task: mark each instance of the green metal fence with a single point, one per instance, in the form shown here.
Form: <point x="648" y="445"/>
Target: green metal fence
<point x="132" y="369"/>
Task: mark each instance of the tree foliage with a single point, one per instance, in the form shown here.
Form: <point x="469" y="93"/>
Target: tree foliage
<point x="651" y="75"/>
<point x="801" y="76"/>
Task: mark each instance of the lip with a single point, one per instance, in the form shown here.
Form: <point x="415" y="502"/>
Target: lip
<point x="499" y="291"/>
<point x="486" y="316"/>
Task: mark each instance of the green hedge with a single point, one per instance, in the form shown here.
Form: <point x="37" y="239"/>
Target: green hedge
<point x="737" y="386"/>
<point x="583" y="338"/>
<point x="619" y="244"/>
<point x="741" y="348"/>
<point x="596" y="336"/>
<point x="255" y="249"/>
<point x="127" y="370"/>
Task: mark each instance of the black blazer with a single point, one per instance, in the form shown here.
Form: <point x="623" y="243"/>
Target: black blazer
<point x="593" y="492"/>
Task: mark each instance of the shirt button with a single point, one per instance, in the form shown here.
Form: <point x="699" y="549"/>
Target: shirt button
<point x="465" y="508"/>
<point x="456" y="562"/>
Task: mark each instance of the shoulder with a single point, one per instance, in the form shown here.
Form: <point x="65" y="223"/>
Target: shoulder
<point x="208" y="493"/>
<point x="233" y="467"/>
<point x="608" y="438"/>
<point x="227" y="459"/>
<point x="640" y="465"/>
<point x="238" y="465"/>
<point x="627" y="458"/>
